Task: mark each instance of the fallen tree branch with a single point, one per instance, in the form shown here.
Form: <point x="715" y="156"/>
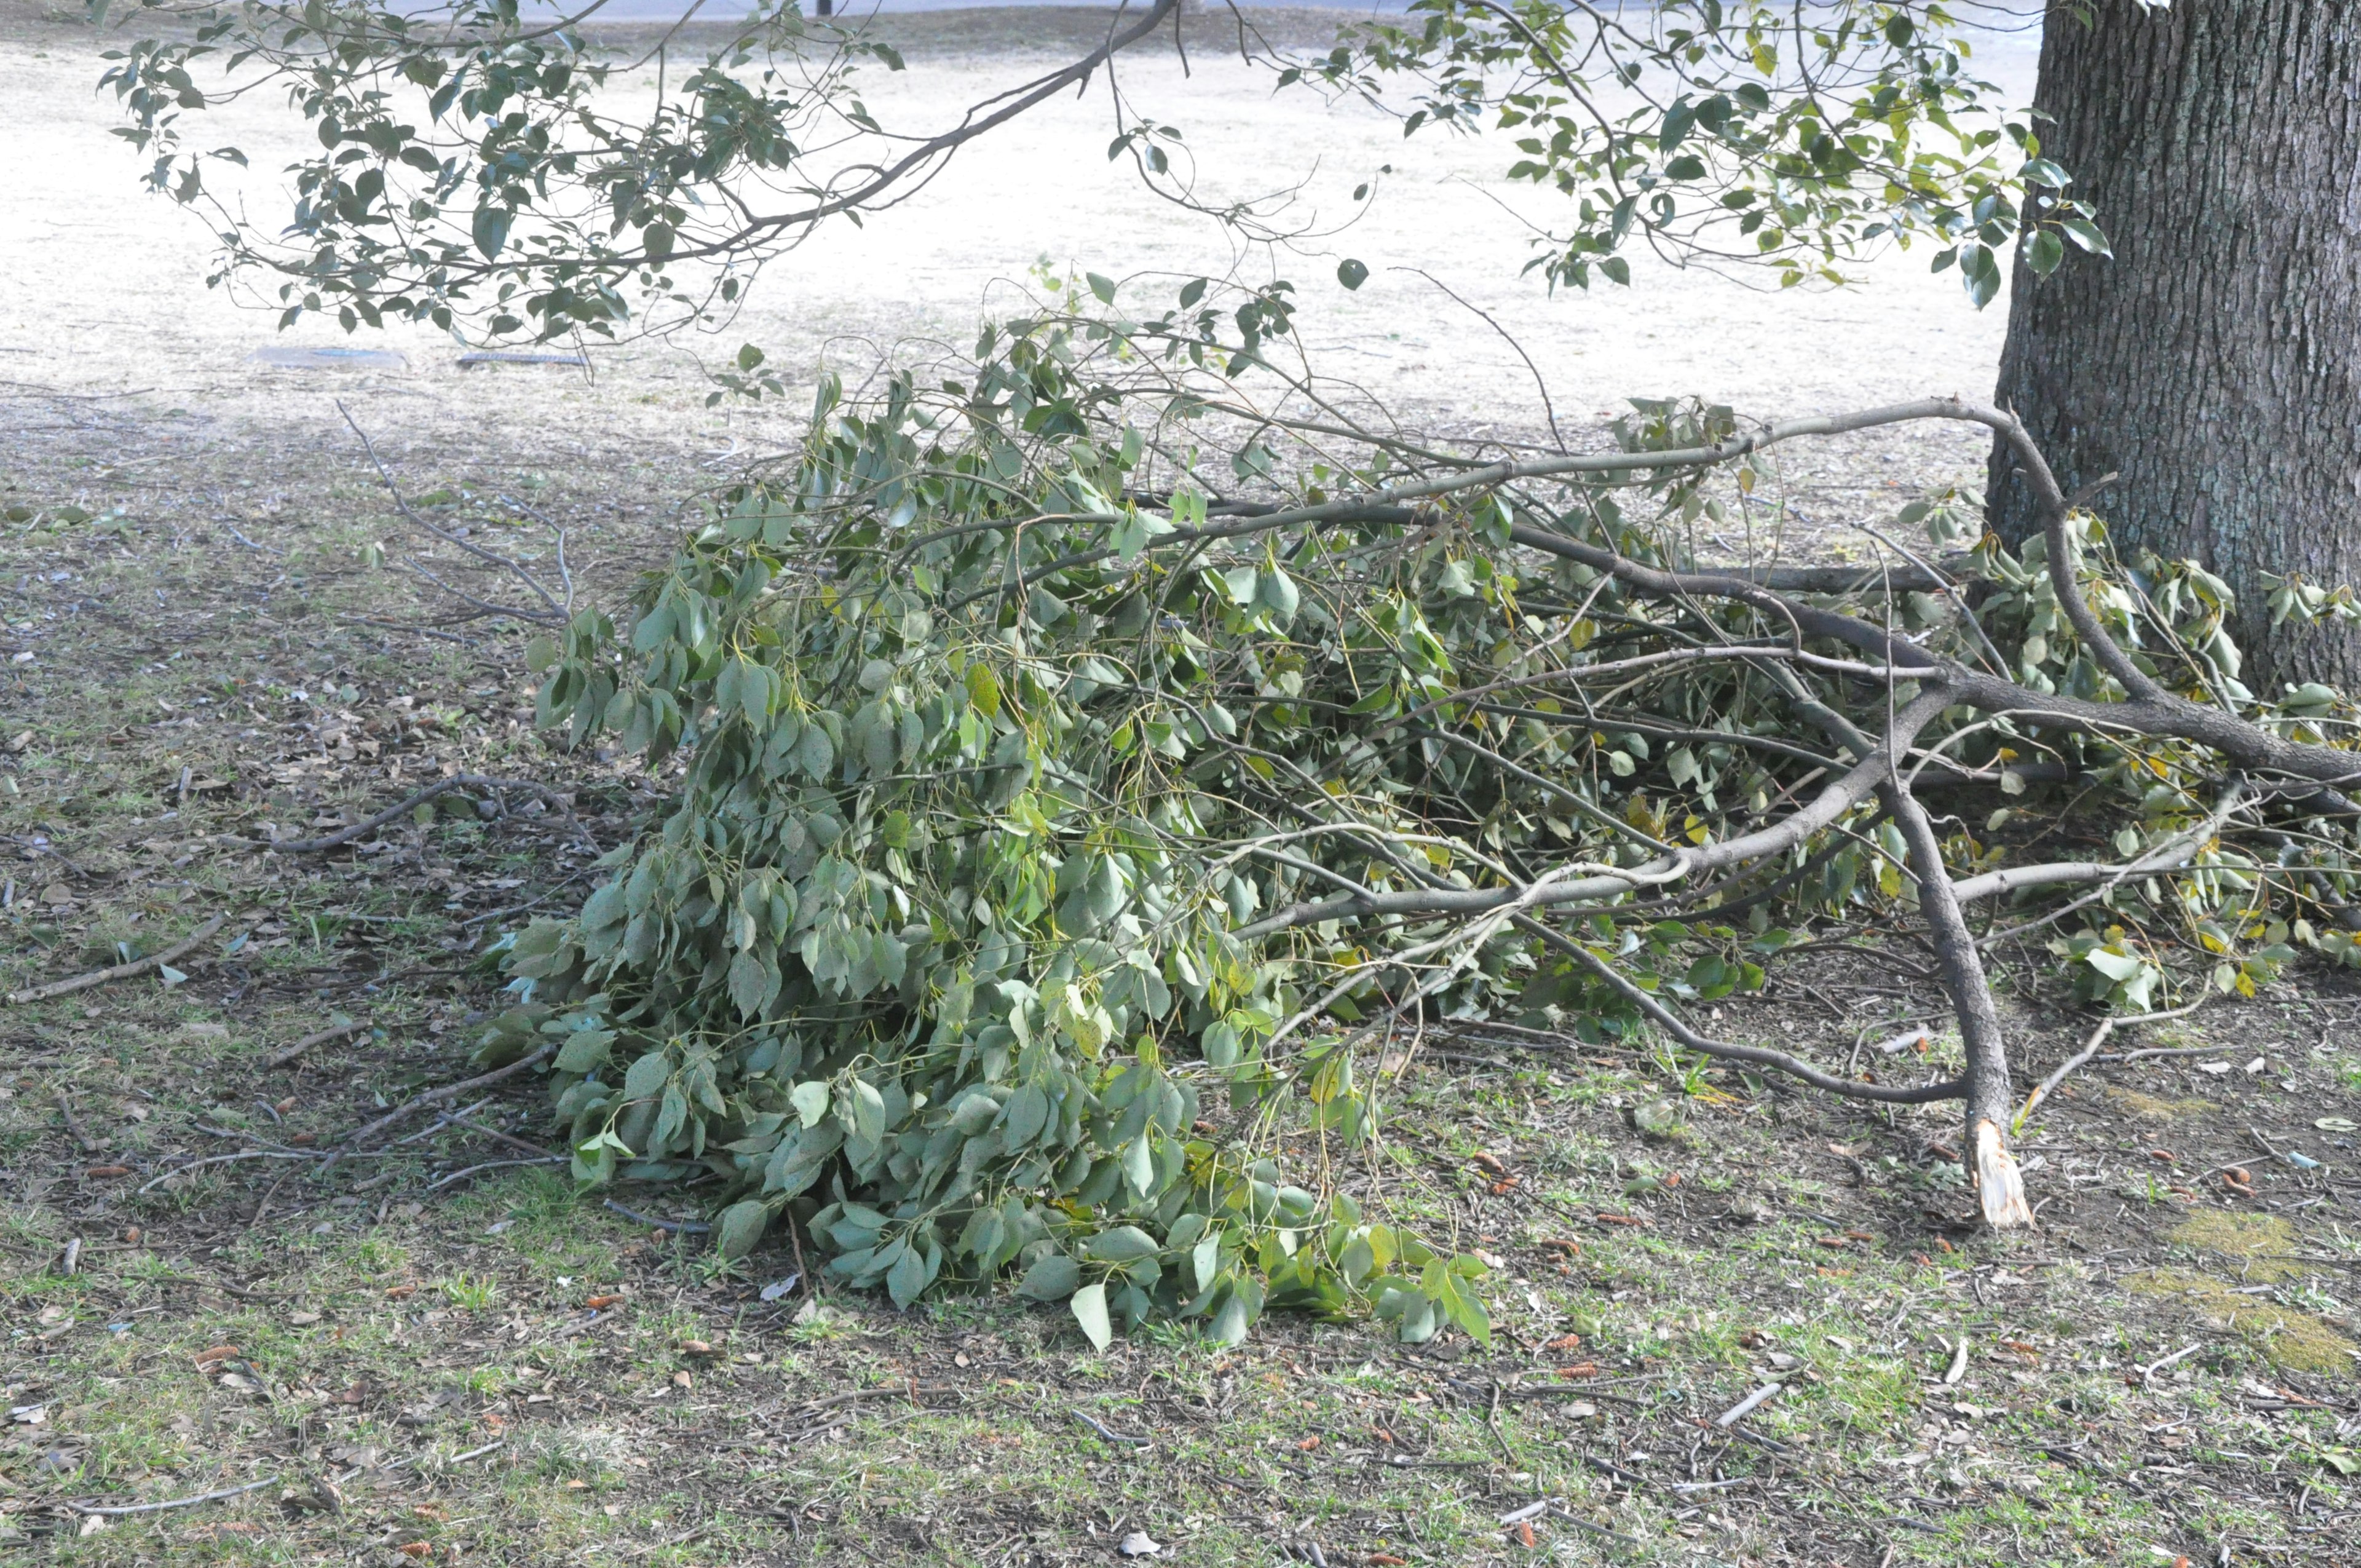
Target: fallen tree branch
<point x="117" y="972"/>
<point x="1993" y="1169"/>
<point x="416" y="798"/>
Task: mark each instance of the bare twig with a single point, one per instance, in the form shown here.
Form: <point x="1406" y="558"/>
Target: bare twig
<point x="179" y="1170"/>
<point x="419" y="797"/>
<point x="74" y="1127"/>
<point x="457" y="1176"/>
<point x="2090" y="1052"/>
<point x="438" y="1097"/>
<point x="318" y="1037"/>
<point x="119" y="1511"/>
<point x="1749" y="1404"/>
<point x="678" y="1227"/>
<point x="2153" y="1367"/>
<point x="551" y="613"/>
<point x="118" y="972"/>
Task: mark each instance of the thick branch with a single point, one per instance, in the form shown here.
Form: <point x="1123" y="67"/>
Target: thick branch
<point x="1842" y="795"/>
<point x="1991" y="1165"/>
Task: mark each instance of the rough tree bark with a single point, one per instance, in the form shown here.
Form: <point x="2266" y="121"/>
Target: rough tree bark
<point x="2214" y="364"/>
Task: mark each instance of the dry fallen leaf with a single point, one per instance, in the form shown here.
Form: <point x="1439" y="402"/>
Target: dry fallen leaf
<point x="600" y="1303"/>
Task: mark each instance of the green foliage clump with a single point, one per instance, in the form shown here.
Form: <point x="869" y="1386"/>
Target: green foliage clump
<point x="1079" y="765"/>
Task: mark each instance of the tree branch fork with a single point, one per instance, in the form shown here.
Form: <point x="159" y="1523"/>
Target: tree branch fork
<point x="1920" y="686"/>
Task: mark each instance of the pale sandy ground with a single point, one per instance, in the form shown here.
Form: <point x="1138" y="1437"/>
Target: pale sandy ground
<point x="108" y="299"/>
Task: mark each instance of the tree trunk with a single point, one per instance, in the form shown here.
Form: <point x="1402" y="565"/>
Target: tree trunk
<point x="2213" y="366"/>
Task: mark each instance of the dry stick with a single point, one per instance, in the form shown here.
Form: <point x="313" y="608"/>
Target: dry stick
<point x="2153" y="1367"/>
<point x="319" y="1037"/>
<point x="1857" y="784"/>
<point x="498" y="1137"/>
<point x="2090" y="1052"/>
<point x="119" y="971"/>
<point x="1753" y="1056"/>
<point x="74" y="1125"/>
<point x="1749" y="1404"/>
<point x="225" y="1159"/>
<point x="490" y="1165"/>
<point x="440" y="786"/>
<point x="682" y="1227"/>
<point x="119" y="1511"/>
<point x="436" y="1097"/>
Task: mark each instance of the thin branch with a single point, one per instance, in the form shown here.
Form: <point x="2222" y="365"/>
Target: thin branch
<point x="118" y="972"/>
<point x="120" y="1510"/>
<point x="438" y="1097"/>
<point x="551" y="614"/>
<point x="2090" y="1052"/>
<point x="1753" y="1056"/>
<point x="541" y="791"/>
<point x="318" y="1037"/>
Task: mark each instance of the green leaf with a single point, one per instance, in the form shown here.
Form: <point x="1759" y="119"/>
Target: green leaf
<point x="1230" y="1324"/>
<point x="1027" y="1112"/>
<point x="2087" y="235"/>
<point x="1678" y="119"/>
<point x="740" y="1227"/>
<point x="585" y="1051"/>
<point x="983" y="689"/>
<point x="1125" y="1243"/>
<point x="754" y="981"/>
<point x="1352" y="273"/>
<point x="1103" y="287"/>
<point x="1090" y="1309"/>
<point x="2117" y="967"/>
<point x="491" y="230"/>
<point x="1052" y="1277"/>
<point x="908" y="1278"/>
<point x="647" y="1075"/>
<point x="1139" y="1164"/>
<point x="2044" y="251"/>
<point x="810" y="1101"/>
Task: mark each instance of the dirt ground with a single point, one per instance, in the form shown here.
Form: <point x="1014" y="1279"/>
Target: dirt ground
<point x="431" y="1355"/>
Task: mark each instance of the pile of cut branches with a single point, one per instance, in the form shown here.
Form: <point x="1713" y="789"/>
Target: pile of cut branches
<point x="1092" y="754"/>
